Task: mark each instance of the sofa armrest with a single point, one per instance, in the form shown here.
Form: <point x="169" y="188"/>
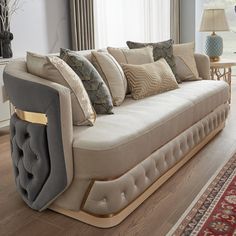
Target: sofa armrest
<point x="203" y="65"/>
<point x="41" y="153"/>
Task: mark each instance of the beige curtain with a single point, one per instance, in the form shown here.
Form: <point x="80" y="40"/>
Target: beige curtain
<point x="175" y="20"/>
<point x="82" y="24"/>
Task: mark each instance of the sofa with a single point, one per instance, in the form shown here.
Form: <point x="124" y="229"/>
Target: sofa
<point x="101" y="174"/>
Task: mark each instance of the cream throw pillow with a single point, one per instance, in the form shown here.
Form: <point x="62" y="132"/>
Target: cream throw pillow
<point x="149" y="79"/>
<point x="132" y="56"/>
<point x="56" y="70"/>
<point x="112" y="74"/>
<point x="137" y="56"/>
<point x="186" y="67"/>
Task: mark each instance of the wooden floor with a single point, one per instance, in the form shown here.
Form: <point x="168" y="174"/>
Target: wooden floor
<point x="154" y="217"/>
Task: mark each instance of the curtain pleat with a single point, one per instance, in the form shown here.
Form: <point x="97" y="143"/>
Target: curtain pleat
<point x="175" y="20"/>
<point x="82" y="24"/>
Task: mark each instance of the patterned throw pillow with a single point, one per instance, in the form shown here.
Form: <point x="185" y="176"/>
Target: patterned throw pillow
<point x="96" y="88"/>
<point x="185" y="61"/>
<point x="137" y="56"/>
<point x="149" y="79"/>
<point x="112" y="74"/>
<point x="56" y="70"/>
<point x="160" y="50"/>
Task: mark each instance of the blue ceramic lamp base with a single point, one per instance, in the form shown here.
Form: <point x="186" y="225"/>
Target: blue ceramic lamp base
<point x="214" y="47"/>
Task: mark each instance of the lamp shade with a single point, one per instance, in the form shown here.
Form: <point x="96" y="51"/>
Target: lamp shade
<point x="214" y="20"/>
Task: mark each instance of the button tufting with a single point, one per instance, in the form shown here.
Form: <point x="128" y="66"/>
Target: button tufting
<point x="21" y="153"/>
<point x="24" y="192"/>
<point x="30" y="176"/>
<point x="104" y="199"/>
<point x="16" y="171"/>
<point x="27" y="135"/>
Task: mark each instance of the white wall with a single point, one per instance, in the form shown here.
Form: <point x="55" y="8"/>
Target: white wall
<point x="200" y="36"/>
<point x="187" y="21"/>
<point x="40" y="26"/>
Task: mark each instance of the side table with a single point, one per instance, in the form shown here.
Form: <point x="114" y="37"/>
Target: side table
<point x="222" y="70"/>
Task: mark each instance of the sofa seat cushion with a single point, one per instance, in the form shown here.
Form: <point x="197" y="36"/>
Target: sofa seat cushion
<point x="138" y="128"/>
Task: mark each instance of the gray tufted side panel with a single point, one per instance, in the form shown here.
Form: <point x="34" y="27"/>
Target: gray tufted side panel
<point x="37" y="151"/>
<point x="30" y="157"/>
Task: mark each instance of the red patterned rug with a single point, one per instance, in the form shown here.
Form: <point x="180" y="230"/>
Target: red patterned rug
<point x="213" y="212"/>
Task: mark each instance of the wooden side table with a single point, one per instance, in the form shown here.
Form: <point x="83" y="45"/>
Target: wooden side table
<point x="222" y="70"/>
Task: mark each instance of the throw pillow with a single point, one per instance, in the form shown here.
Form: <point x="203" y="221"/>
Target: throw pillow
<point x="135" y="56"/>
<point x="160" y="50"/>
<point x="185" y="61"/>
<point x="56" y="70"/>
<point x="96" y="88"/>
<point x="112" y="74"/>
<point x="149" y="79"/>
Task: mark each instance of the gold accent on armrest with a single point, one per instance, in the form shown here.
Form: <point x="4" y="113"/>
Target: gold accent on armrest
<point x="32" y="117"/>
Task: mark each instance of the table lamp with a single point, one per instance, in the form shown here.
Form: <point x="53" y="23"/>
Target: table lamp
<point x="214" y="20"/>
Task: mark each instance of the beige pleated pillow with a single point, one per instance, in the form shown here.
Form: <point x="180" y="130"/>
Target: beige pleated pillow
<point x="186" y="67"/>
<point x="137" y="56"/>
<point x="56" y="70"/>
<point x="149" y="79"/>
<point x="112" y="74"/>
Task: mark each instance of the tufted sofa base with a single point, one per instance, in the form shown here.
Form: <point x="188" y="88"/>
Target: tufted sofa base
<point x="121" y="196"/>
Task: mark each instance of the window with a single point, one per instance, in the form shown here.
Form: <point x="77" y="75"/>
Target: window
<point x="117" y="21"/>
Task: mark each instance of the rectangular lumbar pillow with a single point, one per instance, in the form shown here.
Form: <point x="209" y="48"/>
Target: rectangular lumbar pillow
<point x="56" y="70"/>
<point x="149" y="79"/>
<point x="132" y="56"/>
<point x="160" y="50"/>
<point x="96" y="88"/>
<point x="185" y="61"/>
<point x="112" y="74"/>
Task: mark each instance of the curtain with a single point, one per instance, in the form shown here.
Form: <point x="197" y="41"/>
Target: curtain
<point x="117" y="21"/>
<point x="82" y="24"/>
<point x="175" y="20"/>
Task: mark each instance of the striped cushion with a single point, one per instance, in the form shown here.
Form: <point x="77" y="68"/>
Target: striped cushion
<point x="149" y="79"/>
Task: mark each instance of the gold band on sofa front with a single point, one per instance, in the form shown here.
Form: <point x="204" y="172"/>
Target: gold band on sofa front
<point x="32" y="117"/>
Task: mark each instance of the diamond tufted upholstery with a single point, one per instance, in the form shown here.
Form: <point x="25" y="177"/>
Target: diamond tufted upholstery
<point x="109" y="197"/>
<point x="30" y="157"/>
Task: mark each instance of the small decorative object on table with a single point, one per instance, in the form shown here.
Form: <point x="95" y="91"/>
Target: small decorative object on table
<point x="222" y="70"/>
<point x="214" y="20"/>
<point x="7" y="9"/>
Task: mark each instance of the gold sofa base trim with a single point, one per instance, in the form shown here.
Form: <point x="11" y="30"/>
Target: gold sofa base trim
<point x="32" y="117"/>
<point x="107" y="221"/>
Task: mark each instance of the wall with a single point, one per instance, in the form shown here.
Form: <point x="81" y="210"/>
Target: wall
<point x="40" y="26"/>
<point x="200" y="36"/>
<point x="187" y="21"/>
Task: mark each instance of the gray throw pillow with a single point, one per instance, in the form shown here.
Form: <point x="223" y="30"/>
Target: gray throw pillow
<point x="160" y="50"/>
<point x="97" y="90"/>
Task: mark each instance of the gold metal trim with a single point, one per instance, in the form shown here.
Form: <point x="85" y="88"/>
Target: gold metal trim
<point x="32" y="117"/>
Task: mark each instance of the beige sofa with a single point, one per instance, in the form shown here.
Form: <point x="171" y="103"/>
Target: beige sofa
<point x="112" y="167"/>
